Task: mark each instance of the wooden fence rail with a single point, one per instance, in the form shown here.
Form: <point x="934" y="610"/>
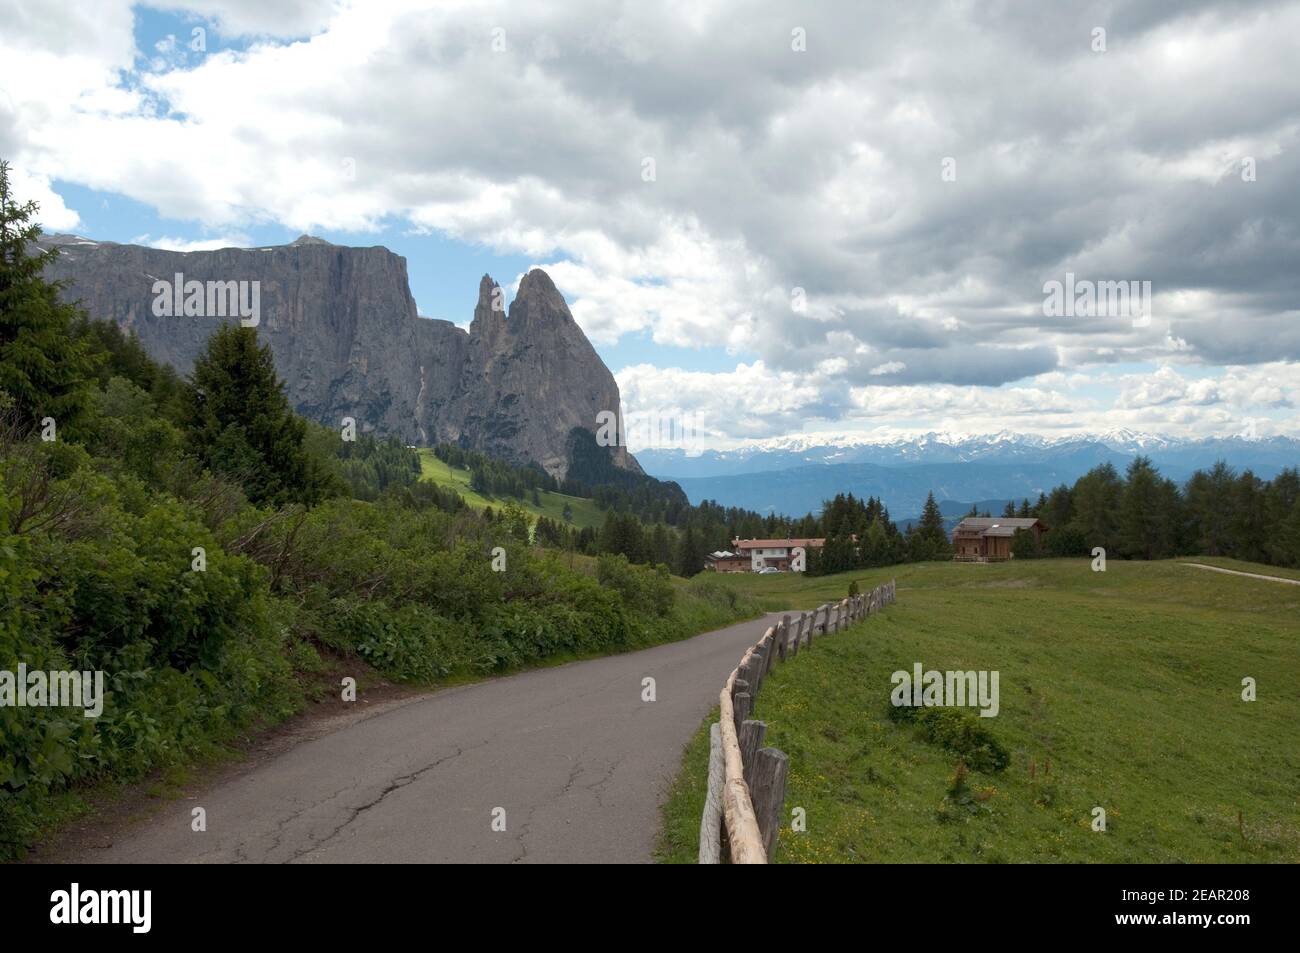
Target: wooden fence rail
<point x="746" y="799"/>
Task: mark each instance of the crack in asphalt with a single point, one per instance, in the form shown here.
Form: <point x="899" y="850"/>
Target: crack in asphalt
<point x="353" y="813"/>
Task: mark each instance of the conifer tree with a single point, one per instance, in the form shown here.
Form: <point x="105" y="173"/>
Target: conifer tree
<point x="45" y="370"/>
<point x="238" y="423"/>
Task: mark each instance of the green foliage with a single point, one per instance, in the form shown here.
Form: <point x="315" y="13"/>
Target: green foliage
<point x="648" y="591"/>
<point x="1145" y="516"/>
<point x="43" y="369"/>
<point x="1024" y="545"/>
<point x="238" y="423"/>
<point x="959" y="730"/>
<point x="120" y="354"/>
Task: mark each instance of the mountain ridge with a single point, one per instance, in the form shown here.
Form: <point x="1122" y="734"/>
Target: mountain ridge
<point x="937" y="447"/>
<point x="349" y="342"/>
<point x="993" y="467"/>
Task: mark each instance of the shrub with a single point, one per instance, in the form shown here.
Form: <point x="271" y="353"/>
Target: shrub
<point x="645" y="590"/>
<point x="959" y="730"/>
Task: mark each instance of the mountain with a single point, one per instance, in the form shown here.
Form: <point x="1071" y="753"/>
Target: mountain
<point x="903" y="489"/>
<point x="793" y="475"/>
<point x="348" y="342"/>
<point x="1266" y="456"/>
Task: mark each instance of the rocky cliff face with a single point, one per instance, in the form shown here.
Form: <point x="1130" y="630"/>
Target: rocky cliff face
<point x="343" y="327"/>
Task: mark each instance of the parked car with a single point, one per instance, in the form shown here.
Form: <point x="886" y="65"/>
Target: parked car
<point x="767" y="569"/>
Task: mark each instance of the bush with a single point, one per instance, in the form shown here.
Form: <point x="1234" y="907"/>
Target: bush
<point x="644" y="590"/>
<point x="959" y="730"/>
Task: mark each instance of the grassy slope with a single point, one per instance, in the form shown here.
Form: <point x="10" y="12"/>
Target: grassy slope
<point x="585" y="512"/>
<point x="1127" y="682"/>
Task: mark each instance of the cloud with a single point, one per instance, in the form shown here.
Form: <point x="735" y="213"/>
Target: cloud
<point x="54" y="216"/>
<point x="526" y="128"/>
<point x="237" y="240"/>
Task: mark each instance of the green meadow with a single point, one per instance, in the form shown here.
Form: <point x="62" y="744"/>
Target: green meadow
<point x="585" y="513"/>
<point x="1119" y="690"/>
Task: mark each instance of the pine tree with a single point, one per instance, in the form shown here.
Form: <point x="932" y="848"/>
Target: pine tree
<point x="238" y="423"/>
<point x="690" y="554"/>
<point x="1096" y="501"/>
<point x="931" y="522"/>
<point x="1209" y="508"/>
<point x="43" y="368"/>
<point x="1141" y="533"/>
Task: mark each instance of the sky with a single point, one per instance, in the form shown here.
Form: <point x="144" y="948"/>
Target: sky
<point x="770" y="219"/>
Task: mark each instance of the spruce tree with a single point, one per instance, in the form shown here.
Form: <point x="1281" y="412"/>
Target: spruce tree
<point x="931" y="524"/>
<point x="238" y="423"/>
<point x="43" y="368"/>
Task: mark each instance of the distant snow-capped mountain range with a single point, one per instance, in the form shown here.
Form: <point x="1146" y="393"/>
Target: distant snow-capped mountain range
<point x="802" y="470"/>
<point x="780" y="453"/>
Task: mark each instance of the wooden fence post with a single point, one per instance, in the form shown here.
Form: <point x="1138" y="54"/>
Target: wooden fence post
<point x="745" y="673"/>
<point x="751" y="739"/>
<point x="758" y="668"/>
<point x="711" y="821"/>
<point x="743" y="704"/>
<point x="767" y="790"/>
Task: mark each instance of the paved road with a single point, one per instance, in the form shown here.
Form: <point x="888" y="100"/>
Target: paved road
<point x="1252" y="575"/>
<point x="577" y="760"/>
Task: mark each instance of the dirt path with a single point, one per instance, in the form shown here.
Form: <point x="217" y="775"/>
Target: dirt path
<point x="1252" y="575"/>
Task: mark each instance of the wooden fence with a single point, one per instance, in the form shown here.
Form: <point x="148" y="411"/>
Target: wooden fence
<point x="746" y="799"/>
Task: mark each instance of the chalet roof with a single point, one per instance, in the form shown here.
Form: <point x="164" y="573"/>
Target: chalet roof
<point x="982" y="522"/>
<point x="724" y="554"/>
<point x="994" y="525"/>
<point x="743" y="544"/>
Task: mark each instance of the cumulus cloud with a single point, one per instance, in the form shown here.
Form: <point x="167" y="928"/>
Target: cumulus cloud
<point x="171" y="243"/>
<point x="681" y="169"/>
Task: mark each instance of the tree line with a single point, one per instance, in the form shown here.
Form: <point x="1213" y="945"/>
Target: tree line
<point x="1143" y="515"/>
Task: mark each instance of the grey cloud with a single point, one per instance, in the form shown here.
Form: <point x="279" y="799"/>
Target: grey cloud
<point x="824" y="166"/>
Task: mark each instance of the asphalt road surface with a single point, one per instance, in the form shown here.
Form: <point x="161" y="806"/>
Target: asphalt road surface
<point x="576" y="759"/>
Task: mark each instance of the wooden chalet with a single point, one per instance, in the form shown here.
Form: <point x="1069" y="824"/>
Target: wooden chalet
<point x="988" y="538"/>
